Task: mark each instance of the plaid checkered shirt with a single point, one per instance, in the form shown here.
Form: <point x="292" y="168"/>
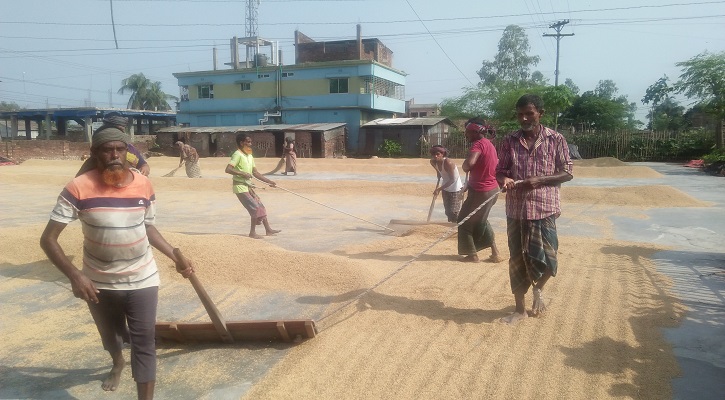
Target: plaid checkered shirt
<point x="549" y="155"/>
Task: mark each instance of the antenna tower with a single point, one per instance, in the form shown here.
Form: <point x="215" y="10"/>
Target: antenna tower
<point x="251" y="23"/>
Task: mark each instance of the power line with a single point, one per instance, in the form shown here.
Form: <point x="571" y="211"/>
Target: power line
<point x="176" y="25"/>
<point x="439" y="45"/>
<point x="158" y="49"/>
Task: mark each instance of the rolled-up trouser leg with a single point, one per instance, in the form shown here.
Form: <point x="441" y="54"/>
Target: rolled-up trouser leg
<point x="141" y="316"/>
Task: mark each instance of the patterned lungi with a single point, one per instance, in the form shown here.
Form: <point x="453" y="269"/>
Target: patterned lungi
<point x="452" y="204"/>
<point x="253" y="204"/>
<point x="193" y="170"/>
<point x="476" y="233"/>
<point x="533" y="245"/>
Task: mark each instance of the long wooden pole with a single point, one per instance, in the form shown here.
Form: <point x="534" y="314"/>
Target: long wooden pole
<point x="433" y="203"/>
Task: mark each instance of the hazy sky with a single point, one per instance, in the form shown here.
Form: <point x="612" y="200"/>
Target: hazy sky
<point x="62" y="53"/>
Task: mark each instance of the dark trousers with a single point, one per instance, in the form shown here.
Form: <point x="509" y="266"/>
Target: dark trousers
<point x="129" y="316"/>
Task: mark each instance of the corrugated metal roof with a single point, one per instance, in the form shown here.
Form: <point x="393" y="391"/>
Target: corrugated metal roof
<point x="424" y="121"/>
<point x="253" y="128"/>
<point x="82" y="112"/>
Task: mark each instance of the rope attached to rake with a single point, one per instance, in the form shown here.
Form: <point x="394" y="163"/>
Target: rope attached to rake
<point x="443" y="237"/>
<point x="332" y="208"/>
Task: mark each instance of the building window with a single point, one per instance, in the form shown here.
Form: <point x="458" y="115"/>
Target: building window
<point x="286" y="74"/>
<point x="338" y="85"/>
<point x="183" y="93"/>
<point x="383" y="87"/>
<point x="423" y="114"/>
<point x="246" y="86"/>
<point x="206" y="91"/>
<point x="260" y="76"/>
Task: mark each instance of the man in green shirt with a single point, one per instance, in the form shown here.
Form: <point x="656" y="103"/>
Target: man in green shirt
<point x="242" y="169"/>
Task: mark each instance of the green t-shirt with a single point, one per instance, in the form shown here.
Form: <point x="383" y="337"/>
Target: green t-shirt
<point x="245" y="163"/>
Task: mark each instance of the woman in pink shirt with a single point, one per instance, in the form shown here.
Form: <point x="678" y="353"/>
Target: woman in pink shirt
<point x="476" y="233"/>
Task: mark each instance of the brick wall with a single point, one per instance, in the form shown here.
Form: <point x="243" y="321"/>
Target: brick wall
<point x="334" y="143"/>
<point x="21" y="150"/>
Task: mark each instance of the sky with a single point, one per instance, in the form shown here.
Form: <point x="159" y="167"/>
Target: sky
<point x="63" y="53"/>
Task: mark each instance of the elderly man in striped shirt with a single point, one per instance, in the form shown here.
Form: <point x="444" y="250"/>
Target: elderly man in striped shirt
<point x="119" y="279"/>
<point x="533" y="163"/>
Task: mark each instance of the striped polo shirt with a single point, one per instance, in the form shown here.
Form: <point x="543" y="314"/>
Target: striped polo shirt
<point x="549" y="155"/>
<point x="116" y="251"/>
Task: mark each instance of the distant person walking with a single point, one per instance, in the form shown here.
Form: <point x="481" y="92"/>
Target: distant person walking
<point x="119" y="278"/>
<point x="538" y="157"/>
<point x="242" y="168"/>
<point x="188" y="155"/>
<point x="476" y="233"/>
<point x="290" y="157"/>
<point x="451" y="185"/>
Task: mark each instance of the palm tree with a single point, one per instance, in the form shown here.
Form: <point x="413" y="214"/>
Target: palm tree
<point x="145" y="95"/>
<point x="156" y="99"/>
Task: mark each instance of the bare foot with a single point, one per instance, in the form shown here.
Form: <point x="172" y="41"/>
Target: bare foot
<point x="255" y="236"/>
<point x="495" y="259"/>
<point x="513" y="318"/>
<point x="539" y="304"/>
<point x="271" y="232"/>
<point x="114" y="377"/>
<point x="471" y="258"/>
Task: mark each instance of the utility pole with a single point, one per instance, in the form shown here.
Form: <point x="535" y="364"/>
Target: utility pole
<point x="557" y="26"/>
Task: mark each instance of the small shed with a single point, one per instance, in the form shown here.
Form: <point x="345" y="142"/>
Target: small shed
<point x="409" y="132"/>
<point x="325" y="140"/>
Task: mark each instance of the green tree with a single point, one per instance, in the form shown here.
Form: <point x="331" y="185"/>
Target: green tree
<point x="667" y="116"/>
<point x="508" y="75"/>
<point x="606" y="89"/>
<point x="512" y="63"/>
<point x="472" y="103"/>
<point x="601" y="109"/>
<point x="145" y="95"/>
<point x="572" y="86"/>
<point x="156" y="99"/>
<point x="656" y="93"/>
<point x="9" y="106"/>
<point x="703" y="78"/>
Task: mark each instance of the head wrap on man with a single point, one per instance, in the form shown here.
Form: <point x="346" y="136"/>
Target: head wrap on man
<point x="114" y="118"/>
<point x="107" y="134"/>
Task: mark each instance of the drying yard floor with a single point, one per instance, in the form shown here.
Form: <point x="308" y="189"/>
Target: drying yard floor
<point x="636" y="309"/>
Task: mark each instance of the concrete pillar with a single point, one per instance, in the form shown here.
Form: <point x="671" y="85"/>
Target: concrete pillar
<point x="89" y="128"/>
<point x="13" y="126"/>
<point x="131" y="128"/>
<point x="48" y="127"/>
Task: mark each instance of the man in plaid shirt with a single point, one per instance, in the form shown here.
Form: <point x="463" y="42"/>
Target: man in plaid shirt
<point x="533" y="163"/>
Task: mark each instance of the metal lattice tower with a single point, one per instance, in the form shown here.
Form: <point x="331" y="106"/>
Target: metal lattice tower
<point x="251" y="24"/>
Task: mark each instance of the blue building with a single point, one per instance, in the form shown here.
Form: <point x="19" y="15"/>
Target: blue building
<point x="348" y="81"/>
